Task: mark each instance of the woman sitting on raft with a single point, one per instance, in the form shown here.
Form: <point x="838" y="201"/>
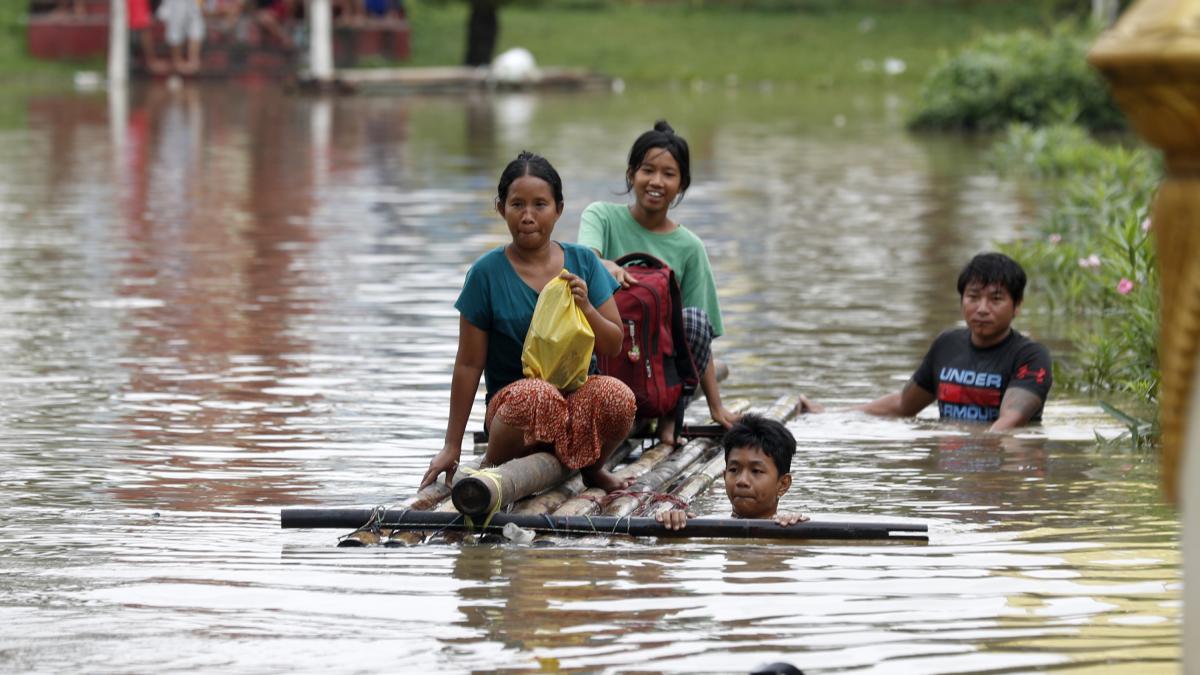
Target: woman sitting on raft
<point x="496" y="304"/>
<point x="658" y="174"/>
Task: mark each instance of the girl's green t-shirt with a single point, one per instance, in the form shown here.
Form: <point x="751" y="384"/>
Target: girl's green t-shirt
<point x="611" y="230"/>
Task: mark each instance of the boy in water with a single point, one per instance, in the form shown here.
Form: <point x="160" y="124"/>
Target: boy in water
<point x="758" y="464"/>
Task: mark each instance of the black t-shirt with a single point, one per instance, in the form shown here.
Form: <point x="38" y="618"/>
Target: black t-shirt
<point x="970" y="382"/>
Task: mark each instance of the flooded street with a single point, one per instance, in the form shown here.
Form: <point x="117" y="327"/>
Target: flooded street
<point x="230" y="300"/>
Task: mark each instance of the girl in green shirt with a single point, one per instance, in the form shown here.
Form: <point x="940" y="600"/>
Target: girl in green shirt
<point x="658" y="175"/>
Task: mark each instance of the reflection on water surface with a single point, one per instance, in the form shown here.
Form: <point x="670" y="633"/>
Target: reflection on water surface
<point x="232" y="300"/>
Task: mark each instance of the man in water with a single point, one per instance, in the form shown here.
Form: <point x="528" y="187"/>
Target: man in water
<point x="986" y="372"/>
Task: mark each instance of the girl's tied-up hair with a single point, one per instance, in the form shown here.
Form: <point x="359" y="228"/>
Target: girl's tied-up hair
<point x="661" y="136"/>
<point x="529" y="164"/>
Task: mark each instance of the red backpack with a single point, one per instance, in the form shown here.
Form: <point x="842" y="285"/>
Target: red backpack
<point x="654" y="361"/>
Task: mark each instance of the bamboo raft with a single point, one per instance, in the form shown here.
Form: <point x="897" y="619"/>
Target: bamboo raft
<point x="538" y="494"/>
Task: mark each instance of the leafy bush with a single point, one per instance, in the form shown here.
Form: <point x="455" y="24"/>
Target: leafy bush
<point x="1018" y="77"/>
<point x="1092" y="260"/>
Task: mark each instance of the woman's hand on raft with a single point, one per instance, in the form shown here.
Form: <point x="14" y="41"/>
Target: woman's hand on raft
<point x="619" y="273"/>
<point x="446" y="462"/>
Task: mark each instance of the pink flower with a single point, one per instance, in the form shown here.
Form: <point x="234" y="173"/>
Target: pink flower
<point x="1146" y="224"/>
<point x="1055" y="238"/>
<point x="1124" y="286"/>
<point x="1092" y="260"/>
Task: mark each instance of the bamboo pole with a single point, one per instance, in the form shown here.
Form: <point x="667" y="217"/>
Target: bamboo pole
<point x="648" y="484"/>
<point x="553" y="498"/>
<point x="691" y="487"/>
<point x="479" y="495"/>
<point x="588" y="501"/>
<point x="550" y="499"/>
<point x="591" y="525"/>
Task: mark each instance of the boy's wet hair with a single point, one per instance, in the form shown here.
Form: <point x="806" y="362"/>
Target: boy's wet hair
<point x="760" y="433"/>
<point x="529" y="164"/>
<point x="994" y="268"/>
<point x="661" y="136"/>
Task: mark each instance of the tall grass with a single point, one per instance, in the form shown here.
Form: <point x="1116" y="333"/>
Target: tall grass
<point x="817" y="44"/>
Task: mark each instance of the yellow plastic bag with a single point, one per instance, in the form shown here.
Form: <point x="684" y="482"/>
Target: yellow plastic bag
<point x="558" y="346"/>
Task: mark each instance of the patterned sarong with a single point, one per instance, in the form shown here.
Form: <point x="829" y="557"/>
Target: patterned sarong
<point x="578" y="424"/>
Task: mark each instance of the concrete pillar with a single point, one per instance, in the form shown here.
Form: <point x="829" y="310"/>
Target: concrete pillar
<point x="118" y="44"/>
<point x="320" y="31"/>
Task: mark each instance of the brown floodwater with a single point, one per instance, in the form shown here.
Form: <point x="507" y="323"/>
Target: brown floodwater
<point x="216" y="302"/>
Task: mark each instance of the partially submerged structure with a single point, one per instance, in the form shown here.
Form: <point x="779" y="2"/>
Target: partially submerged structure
<point x="236" y="44"/>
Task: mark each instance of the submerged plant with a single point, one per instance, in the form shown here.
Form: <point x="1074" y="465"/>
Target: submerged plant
<point x="1139" y="433"/>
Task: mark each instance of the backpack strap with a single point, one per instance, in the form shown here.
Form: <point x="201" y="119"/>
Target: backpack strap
<point x="684" y="365"/>
<point x="644" y="259"/>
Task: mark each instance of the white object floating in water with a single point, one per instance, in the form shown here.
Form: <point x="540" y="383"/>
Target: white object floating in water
<point x="516" y="534"/>
<point x="893" y="66"/>
<point x="515" y="66"/>
<point x="88" y="79"/>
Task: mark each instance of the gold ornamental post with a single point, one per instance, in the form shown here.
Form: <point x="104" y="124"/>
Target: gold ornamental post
<point x="1151" y="59"/>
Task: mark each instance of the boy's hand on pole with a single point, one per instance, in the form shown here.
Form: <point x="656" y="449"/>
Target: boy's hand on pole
<point x="785" y="518"/>
<point x="673" y="520"/>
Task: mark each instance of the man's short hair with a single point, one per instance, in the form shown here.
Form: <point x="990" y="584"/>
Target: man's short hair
<point x="994" y="268"/>
<point x="758" y="432"/>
